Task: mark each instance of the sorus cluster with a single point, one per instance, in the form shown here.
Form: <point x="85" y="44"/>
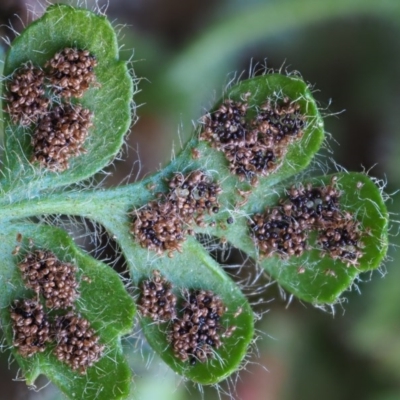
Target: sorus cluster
<point x="55" y="280"/>
<point x="76" y="343"/>
<point x="30" y="326"/>
<point x="196" y="333"/>
<point x="60" y="135"/>
<point x="275" y="232"/>
<point x="284" y="230"/>
<point x="60" y="130"/>
<point x="195" y="330"/>
<point x="157" y="300"/>
<point x="163" y="224"/>
<point x="25" y="100"/>
<point x="257" y="146"/>
<point x="71" y="72"/>
<point x="194" y="195"/>
<point x="158" y="227"/>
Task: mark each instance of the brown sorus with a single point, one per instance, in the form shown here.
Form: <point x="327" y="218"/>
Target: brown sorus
<point x="280" y="121"/>
<point x="342" y="241"/>
<point x="55" y="280"/>
<point x="196" y="334"/>
<point x="194" y="195"/>
<point x="157" y="300"/>
<point x="30" y="327"/>
<point x="60" y="135"/>
<point x="277" y="233"/>
<point x="77" y="343"/>
<point x="158" y="227"/>
<point x="71" y="72"/>
<point x="226" y="128"/>
<point x="24" y="99"/>
<point x="284" y="229"/>
<point x="163" y="224"/>
<point x="253" y="147"/>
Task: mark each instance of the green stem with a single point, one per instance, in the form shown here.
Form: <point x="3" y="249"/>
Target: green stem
<point x="91" y="203"/>
<point x="100" y="205"/>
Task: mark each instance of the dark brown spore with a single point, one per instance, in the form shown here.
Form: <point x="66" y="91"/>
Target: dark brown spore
<point x="157" y="300"/>
<point x="30" y="327"/>
<point x="71" y="72"/>
<point x="77" y="343"/>
<point x="253" y="147"/>
<point x="61" y="135"/>
<point x="25" y="100"/>
<point x="55" y="280"/>
<point x="198" y="331"/>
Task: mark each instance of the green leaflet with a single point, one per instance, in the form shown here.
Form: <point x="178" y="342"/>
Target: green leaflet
<point x="270" y="86"/>
<point x="299" y="154"/>
<point x="195" y="269"/>
<point x="104" y="302"/>
<point x="109" y="99"/>
<point x="318" y="284"/>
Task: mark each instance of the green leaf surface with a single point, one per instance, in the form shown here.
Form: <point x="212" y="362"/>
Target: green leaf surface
<point x="191" y="269"/>
<point x="318" y="284"/>
<point x="324" y="279"/>
<point x="109" y="99"/>
<point x="299" y="154"/>
<point x="103" y="301"/>
<point x="195" y="269"/>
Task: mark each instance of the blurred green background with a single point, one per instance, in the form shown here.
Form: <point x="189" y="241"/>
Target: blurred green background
<point x="185" y="53"/>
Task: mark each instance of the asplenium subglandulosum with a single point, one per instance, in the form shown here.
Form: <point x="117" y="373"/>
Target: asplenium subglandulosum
<point x="236" y="180"/>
